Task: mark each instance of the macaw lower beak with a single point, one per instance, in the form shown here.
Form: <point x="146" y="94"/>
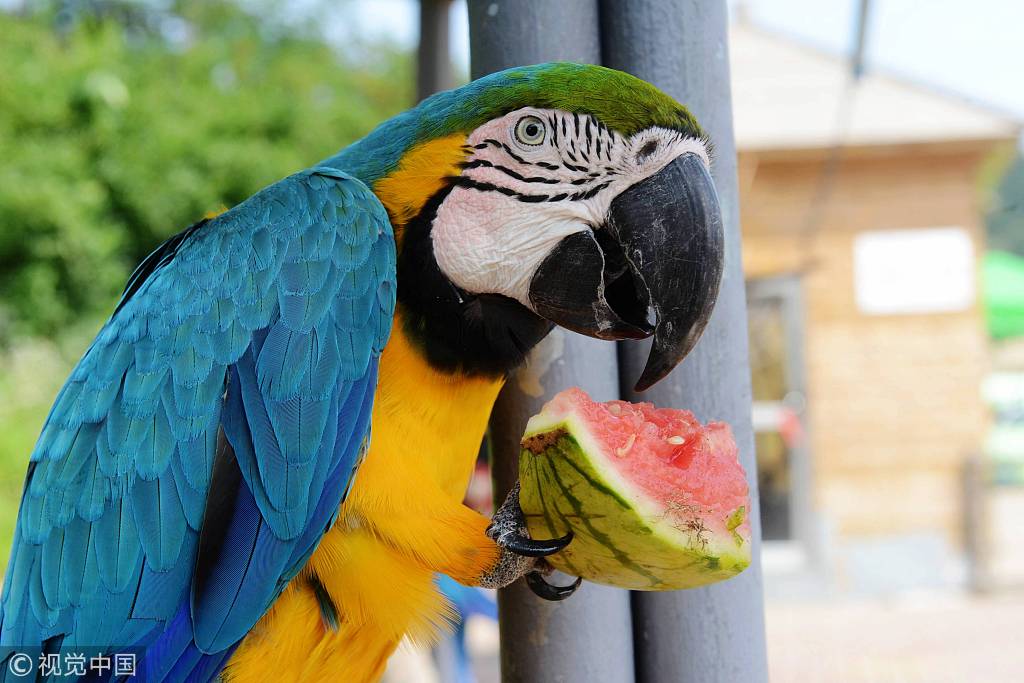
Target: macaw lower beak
<point x="653" y="268"/>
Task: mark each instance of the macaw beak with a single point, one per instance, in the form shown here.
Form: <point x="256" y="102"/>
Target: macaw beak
<point x="653" y="267"/>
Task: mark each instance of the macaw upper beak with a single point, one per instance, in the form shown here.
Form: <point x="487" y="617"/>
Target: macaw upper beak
<point x="653" y="268"/>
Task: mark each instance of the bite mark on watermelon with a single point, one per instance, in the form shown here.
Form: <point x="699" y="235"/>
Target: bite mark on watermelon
<point x="656" y="500"/>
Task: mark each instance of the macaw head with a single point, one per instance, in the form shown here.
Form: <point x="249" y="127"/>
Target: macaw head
<point x="558" y="194"/>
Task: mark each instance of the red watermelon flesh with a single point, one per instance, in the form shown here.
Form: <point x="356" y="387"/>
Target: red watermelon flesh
<point x="664" y="451"/>
<point x="655" y="499"/>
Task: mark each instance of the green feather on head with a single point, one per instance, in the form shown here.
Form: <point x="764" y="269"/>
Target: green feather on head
<point x="624" y="103"/>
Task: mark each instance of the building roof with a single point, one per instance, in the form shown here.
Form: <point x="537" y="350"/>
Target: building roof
<point x="787" y="96"/>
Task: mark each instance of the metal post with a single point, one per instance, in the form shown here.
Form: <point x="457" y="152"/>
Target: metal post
<point x="433" y="59"/>
<point x="860" y="39"/>
<point x="588" y="637"/>
<point x="714" y="633"/>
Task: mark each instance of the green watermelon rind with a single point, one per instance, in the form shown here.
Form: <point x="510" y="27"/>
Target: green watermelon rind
<point x="650" y="551"/>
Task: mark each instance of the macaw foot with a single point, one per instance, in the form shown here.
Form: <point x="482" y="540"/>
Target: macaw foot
<point x="522" y="555"/>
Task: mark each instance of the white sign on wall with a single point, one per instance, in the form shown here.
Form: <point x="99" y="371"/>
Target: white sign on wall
<point x="930" y="270"/>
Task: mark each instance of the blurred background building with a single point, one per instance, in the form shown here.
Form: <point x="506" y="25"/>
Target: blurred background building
<point x="882" y="204"/>
<point x="863" y="232"/>
<point x="888" y="484"/>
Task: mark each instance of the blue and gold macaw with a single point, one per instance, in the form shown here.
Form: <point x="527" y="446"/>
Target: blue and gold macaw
<point x="206" y="494"/>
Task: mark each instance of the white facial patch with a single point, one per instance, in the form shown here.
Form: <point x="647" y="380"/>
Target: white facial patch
<point x="486" y="243"/>
<point x="516" y="199"/>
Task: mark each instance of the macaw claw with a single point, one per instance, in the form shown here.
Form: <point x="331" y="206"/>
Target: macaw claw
<point x="508" y="529"/>
<point x="524" y="545"/>
<point x="520" y="554"/>
<point x="543" y="589"/>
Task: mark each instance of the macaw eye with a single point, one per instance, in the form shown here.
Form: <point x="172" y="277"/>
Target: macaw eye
<point x="530" y="130"/>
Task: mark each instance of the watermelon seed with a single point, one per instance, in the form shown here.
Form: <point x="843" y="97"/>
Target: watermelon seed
<point x="676" y="440"/>
<point x="615" y="409"/>
<point x="623" y="451"/>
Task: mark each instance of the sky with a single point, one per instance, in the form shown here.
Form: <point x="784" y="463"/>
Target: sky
<point x="971" y="48"/>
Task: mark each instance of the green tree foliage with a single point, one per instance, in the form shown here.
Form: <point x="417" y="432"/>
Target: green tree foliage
<point x="120" y="126"/>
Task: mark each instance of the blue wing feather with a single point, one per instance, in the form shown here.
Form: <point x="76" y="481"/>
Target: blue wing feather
<point x="262" y="326"/>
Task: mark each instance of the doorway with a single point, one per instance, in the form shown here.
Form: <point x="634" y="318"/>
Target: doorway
<point x="776" y="324"/>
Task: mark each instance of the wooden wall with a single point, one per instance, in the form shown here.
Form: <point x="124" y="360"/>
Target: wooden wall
<point x="893" y="401"/>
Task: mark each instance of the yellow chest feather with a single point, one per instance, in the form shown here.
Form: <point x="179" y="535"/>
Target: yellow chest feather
<point x="426" y="422"/>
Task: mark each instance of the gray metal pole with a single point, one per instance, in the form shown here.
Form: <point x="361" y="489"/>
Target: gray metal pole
<point x="433" y="59"/>
<point x="506" y="33"/>
<point x="860" y="39"/>
<point x="715" y="633"/>
<point x="588" y="637"/>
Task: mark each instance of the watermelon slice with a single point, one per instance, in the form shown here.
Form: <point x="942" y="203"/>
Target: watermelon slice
<point x="655" y="500"/>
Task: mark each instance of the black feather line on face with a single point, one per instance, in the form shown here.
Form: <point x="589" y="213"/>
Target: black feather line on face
<point x="530" y="198"/>
<point x="484" y="163"/>
<point x="479" y="335"/>
<point x="590" y="128"/>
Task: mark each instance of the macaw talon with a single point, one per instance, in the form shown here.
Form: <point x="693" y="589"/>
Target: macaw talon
<point x="524" y="545"/>
<point x="520" y="554"/>
<point x="543" y="589"/>
<point x="508" y="529"/>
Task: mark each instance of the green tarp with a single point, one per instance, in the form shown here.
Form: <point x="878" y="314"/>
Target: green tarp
<point x="1003" y="278"/>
